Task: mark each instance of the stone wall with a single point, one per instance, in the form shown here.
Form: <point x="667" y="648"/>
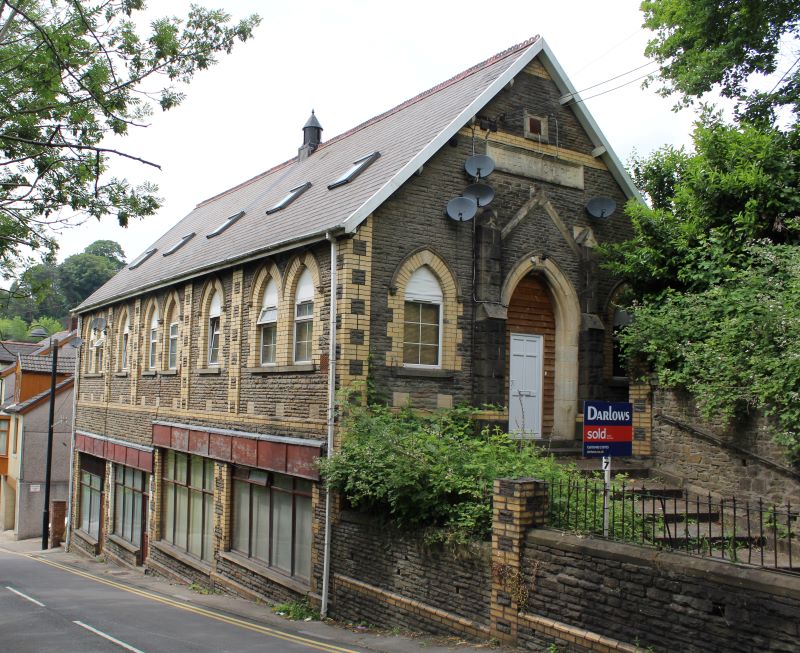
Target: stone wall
<point x="386" y="577"/>
<point x="661" y="601"/>
<point x="746" y="462"/>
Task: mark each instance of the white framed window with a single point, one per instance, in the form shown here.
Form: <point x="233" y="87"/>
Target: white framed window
<point x="422" y="320"/>
<point x="173" y="346"/>
<point x="303" y="317"/>
<point x="214" y="314"/>
<point x="153" y="341"/>
<point x="124" y="342"/>
<point x="97" y="347"/>
<point x="268" y="324"/>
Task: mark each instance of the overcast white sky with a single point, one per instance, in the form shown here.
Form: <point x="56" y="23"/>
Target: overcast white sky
<point x="353" y="59"/>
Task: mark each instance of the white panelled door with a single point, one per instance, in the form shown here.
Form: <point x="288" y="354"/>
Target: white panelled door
<point x="525" y="385"/>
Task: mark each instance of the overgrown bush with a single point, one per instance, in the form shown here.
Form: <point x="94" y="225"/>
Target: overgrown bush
<point x="422" y="471"/>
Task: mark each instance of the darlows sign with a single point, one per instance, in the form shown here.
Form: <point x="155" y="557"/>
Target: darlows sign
<point x="607" y="429"/>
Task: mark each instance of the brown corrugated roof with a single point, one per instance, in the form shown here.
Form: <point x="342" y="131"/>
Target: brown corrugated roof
<point x="399" y="134"/>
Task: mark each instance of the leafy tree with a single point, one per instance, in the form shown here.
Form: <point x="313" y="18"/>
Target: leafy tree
<point x="109" y="249"/>
<point x="81" y="274"/>
<point x="17" y="329"/>
<point x="739" y="186"/>
<point x="703" y="44"/>
<point x="72" y="73"/>
<point x="713" y="264"/>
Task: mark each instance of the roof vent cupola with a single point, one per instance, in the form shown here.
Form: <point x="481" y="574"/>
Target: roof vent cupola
<point x="312" y="137"/>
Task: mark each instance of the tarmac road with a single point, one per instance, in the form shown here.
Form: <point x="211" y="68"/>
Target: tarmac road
<point x="46" y="605"/>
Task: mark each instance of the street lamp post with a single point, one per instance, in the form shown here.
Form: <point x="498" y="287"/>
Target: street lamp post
<point x="49" y="459"/>
<point x="39" y="332"/>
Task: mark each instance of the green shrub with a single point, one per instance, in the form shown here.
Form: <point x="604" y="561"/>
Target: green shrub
<point x="423" y="471"/>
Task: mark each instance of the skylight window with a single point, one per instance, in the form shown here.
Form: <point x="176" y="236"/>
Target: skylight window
<point x="185" y="239"/>
<point x="291" y="197"/>
<point x="358" y="167"/>
<point x="225" y="224"/>
<point x="141" y="258"/>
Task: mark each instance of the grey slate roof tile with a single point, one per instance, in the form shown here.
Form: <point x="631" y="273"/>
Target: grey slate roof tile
<point x="399" y="135"/>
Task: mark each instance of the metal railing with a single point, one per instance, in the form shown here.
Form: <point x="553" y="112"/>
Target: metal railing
<point x="753" y="533"/>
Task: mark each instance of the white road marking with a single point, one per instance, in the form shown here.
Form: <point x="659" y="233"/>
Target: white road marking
<point x="25" y="596"/>
<point x="114" y="640"/>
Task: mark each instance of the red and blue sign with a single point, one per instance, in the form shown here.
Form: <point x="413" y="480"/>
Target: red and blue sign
<point x="607" y="429"/>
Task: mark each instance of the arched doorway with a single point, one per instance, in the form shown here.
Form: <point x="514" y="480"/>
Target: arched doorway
<point x="531" y="358"/>
<point x="542" y="302"/>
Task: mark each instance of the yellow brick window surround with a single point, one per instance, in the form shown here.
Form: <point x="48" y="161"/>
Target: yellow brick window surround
<point x="413" y="314"/>
<point x="150" y="348"/>
<point x="213" y="296"/>
<point x="287" y="312"/>
<point x="123" y="353"/>
<point x="171" y="336"/>
<point x="266" y="281"/>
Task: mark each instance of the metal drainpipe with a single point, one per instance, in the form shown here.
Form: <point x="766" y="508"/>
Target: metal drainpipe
<point x="75" y="386"/>
<point x="326" y="564"/>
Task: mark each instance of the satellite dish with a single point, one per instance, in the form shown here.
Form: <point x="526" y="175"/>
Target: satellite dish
<point x="479" y="166"/>
<point x="461" y="209"/>
<point x="601" y="207"/>
<point x="483" y="194"/>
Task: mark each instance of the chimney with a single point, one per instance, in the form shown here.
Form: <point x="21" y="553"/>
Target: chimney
<point x="312" y="137"/>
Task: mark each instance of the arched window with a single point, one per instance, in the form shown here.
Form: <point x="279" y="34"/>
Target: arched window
<point x="268" y="324"/>
<point x="303" y="317"/>
<point x="214" y="313"/>
<point x="97" y="344"/>
<point x="124" y="342"/>
<point x="153" y="340"/>
<point x="171" y="335"/>
<point x="422" y="319"/>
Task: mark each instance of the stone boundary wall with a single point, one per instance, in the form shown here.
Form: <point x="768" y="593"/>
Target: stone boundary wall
<point x="385" y="577"/>
<point x="703" y="466"/>
<point x="658" y="600"/>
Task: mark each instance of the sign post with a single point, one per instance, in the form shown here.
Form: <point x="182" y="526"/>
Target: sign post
<point x="607" y="432"/>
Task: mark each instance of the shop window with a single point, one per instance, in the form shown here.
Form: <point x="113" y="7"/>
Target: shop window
<point x="272" y="520"/>
<point x="91" y="495"/>
<point x="187" y="518"/>
<point x="130" y="503"/>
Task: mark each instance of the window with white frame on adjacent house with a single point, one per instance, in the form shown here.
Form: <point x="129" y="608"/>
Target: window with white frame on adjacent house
<point x="5" y="424"/>
<point x="187" y="516"/>
<point x="153" y="348"/>
<point x="303" y="317"/>
<point x="130" y="503"/>
<point x="422" y="319"/>
<point x="268" y="324"/>
<point x="214" y="316"/>
<point x="272" y="520"/>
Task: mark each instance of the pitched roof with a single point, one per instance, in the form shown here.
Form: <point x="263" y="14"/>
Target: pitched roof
<point x="32" y="402"/>
<point x="406" y="137"/>
<point x="9" y="349"/>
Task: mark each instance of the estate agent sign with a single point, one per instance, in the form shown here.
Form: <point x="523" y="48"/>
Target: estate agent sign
<point x="607" y="429"/>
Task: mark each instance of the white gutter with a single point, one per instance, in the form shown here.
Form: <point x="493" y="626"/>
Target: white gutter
<point x="75" y="386"/>
<point x="326" y="561"/>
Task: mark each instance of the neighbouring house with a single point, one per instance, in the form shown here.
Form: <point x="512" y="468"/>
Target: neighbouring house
<point x="440" y="253"/>
<point x="24" y="421"/>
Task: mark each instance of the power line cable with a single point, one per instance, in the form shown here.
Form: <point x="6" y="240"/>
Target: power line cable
<point x="611" y="79"/>
<point x="576" y="100"/>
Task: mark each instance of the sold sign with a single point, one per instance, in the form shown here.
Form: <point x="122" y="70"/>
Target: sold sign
<point x="607" y="429"/>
